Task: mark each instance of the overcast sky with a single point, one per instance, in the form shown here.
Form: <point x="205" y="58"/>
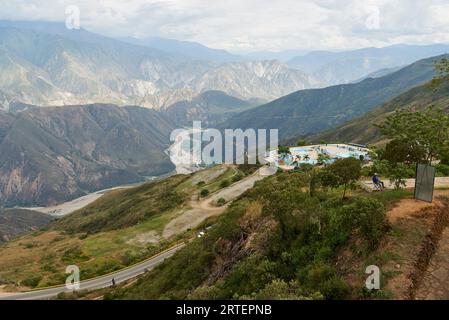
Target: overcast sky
<point x="254" y="25"/>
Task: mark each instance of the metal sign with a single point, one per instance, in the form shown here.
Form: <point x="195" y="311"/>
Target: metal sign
<point x="425" y="182"/>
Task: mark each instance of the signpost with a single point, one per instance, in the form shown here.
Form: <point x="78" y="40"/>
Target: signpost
<point x="425" y="182"/>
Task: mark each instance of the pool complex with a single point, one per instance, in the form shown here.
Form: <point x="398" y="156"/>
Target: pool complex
<point x="310" y="154"/>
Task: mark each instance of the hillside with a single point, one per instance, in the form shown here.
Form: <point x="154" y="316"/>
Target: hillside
<point x="278" y="242"/>
<point x="210" y="107"/>
<point x="122" y="227"/>
<point x="310" y="111"/>
<point x="363" y="130"/>
<point x="14" y="222"/>
<point x="50" y="155"/>
<point x="47" y="65"/>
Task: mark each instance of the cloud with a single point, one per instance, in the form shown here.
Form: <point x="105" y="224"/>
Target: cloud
<point x="253" y="25"/>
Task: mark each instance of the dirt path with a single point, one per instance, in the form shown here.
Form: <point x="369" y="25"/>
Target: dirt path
<point x="435" y="285"/>
<point x="203" y="209"/>
<point x="440" y="182"/>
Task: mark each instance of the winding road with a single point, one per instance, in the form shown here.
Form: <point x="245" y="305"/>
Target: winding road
<point x="191" y="218"/>
<point x="100" y="282"/>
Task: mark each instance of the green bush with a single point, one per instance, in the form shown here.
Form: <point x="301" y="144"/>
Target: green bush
<point x="221" y="202"/>
<point x="443" y="170"/>
<point x="237" y="177"/>
<point x="204" y="192"/>
<point x="32" y="281"/>
<point x="366" y="217"/>
<point x="225" y="183"/>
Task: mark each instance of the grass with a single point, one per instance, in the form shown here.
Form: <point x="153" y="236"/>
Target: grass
<point x="99" y="250"/>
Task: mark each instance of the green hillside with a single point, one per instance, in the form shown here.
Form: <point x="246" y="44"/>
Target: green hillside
<point x="310" y="111"/>
<point x="278" y="242"/>
<point x="363" y="129"/>
<point x="14" y="222"/>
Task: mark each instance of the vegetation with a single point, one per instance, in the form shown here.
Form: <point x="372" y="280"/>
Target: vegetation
<point x="125" y="239"/>
<point x="275" y="242"/>
<point x="121" y="209"/>
<point x="342" y="173"/>
<point x="421" y="133"/>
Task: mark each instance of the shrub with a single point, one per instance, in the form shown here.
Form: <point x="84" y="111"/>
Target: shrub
<point x="334" y="288"/>
<point x="366" y="217"/>
<point x="225" y="183"/>
<point x="32" y="281"/>
<point x="221" y="202"/>
<point x="443" y="170"/>
<point x="237" y="177"/>
<point x="201" y="183"/>
<point x="204" y="192"/>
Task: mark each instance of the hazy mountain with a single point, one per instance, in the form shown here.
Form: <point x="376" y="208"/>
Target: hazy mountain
<point x="209" y="107"/>
<point x="282" y="56"/>
<point x="47" y="65"/>
<point x="263" y="79"/>
<point x="348" y="66"/>
<point x="14" y="222"/>
<point x="53" y="154"/>
<point x="309" y="111"/>
<point x="190" y="49"/>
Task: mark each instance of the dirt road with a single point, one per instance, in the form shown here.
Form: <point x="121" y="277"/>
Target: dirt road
<point x="205" y="208"/>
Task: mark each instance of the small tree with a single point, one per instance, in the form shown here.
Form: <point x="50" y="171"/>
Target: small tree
<point x="204" y="192"/>
<point x="283" y="150"/>
<point x="323" y="158"/>
<point x="428" y="129"/>
<point x="397" y="151"/>
<point x="301" y="143"/>
<point x="342" y="173"/>
<point x="442" y="73"/>
<point x="397" y="174"/>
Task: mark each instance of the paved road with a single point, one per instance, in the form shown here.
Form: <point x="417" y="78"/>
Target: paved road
<point x="98" y="283"/>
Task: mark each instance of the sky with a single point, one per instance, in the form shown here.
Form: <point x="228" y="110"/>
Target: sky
<point x="253" y="25"/>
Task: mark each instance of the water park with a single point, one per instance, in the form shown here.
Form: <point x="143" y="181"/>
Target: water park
<point x="319" y="154"/>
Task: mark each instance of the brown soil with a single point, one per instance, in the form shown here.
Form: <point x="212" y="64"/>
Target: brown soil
<point x="411" y="223"/>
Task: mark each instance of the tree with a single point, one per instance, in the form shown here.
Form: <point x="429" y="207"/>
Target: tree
<point x="204" y="192"/>
<point x="442" y="72"/>
<point x="284" y="150"/>
<point x="342" y="173"/>
<point x="301" y="143"/>
<point x="323" y="158"/>
<point x="397" y="174"/>
<point x="409" y="152"/>
<point x="427" y="129"/>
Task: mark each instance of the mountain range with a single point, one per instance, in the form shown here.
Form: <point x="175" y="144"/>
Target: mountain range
<point x="349" y="66"/>
<point x="49" y="65"/>
<point x="50" y="155"/>
<point x="309" y="111"/>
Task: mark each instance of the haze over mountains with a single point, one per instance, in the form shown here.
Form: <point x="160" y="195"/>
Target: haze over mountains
<point x="344" y="67"/>
<point x="50" y="65"/>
